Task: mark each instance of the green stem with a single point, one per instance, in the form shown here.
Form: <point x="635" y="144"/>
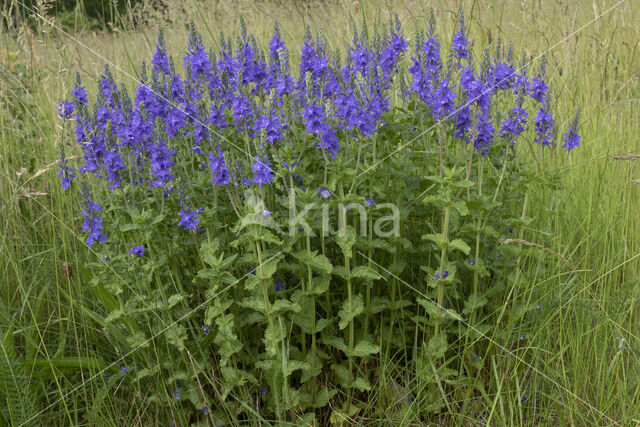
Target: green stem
<point x="443" y="259"/>
<point x="267" y="302"/>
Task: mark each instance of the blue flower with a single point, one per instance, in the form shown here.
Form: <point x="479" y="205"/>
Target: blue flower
<point x="189" y="218"/>
<point x="263" y="391"/>
<point x="472" y="262"/>
<point x="137" y="250"/>
<point x="79" y="92"/>
<point x="460" y="45"/>
<point x="65" y="109"/>
<point x="160" y="60"/>
<point x="205" y="329"/>
<point x="572" y="138"/>
<point x="196" y="60"/>
<point x="113" y="164"/>
<point x="278" y="286"/>
<point x="219" y="172"/>
<point x="324" y="193"/>
<point x="544" y="126"/>
<point x="176" y="394"/>
<point x="484" y="134"/>
<point x="522" y="336"/>
<point x="66" y="172"/>
<point x="205" y="410"/>
<point x="537" y="87"/>
<point x="462" y="121"/>
<point x="160" y="159"/>
<point x="124" y="370"/>
<point x="92" y="222"/>
<point x="444" y="275"/>
<point x="272" y="124"/>
<point x="262" y="173"/>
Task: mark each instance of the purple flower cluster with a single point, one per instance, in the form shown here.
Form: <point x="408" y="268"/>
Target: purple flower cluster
<point x="66" y="172"/>
<point x="238" y="109"/>
<point x="92" y="222"/>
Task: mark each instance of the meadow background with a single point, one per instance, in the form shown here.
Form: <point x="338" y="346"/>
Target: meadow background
<point x="586" y="341"/>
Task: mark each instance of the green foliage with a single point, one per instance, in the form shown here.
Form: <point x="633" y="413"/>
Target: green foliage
<point x="590" y="221"/>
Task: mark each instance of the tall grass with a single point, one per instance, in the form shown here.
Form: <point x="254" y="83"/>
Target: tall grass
<point x="582" y="348"/>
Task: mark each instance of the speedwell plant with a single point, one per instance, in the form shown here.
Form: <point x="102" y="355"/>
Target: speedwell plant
<point x="260" y="241"/>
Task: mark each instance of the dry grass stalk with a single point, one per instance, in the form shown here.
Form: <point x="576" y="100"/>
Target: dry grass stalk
<point x="536" y="245"/>
<point x="627" y="156"/>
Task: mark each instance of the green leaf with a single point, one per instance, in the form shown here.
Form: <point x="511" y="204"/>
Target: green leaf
<point x="379" y="304"/>
<point x="461" y="207"/>
<point x="437" y="238"/>
<point x="313" y="260"/>
<point x="273" y="334"/>
<point x="362" y="384"/>
<point x="463" y="183"/>
<point x="346" y="240"/>
<point x="474" y="303"/>
<point x="432" y="309"/>
<point x="437" y="346"/>
<point x="460" y="245"/>
<point x="254" y="303"/>
<point x="323" y="397"/>
<point x="336" y="343"/>
<point x="138" y="340"/>
<point x="342" y="374"/>
<point x="366" y="273"/>
<point x="294" y="365"/>
<point x="176" y="336"/>
<point x="364" y="348"/>
<point x="283" y="305"/>
<point x="147" y="372"/>
<point x="347" y="313"/>
<point x="130" y="227"/>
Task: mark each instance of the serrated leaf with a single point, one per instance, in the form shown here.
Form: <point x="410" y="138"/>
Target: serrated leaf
<point x="433" y="199"/>
<point x="364" y="348"/>
<point x="437" y="238"/>
<point x="138" y="340"/>
<point x="294" y="365"/>
<point x="336" y="342"/>
<point x="460" y="245"/>
<point x="463" y="183"/>
<point x="323" y="397"/>
<point x="283" y="305"/>
<point x="474" y="303"/>
<point x="432" y="309"/>
<point x="461" y="207"/>
<point x="147" y="372"/>
<point x="437" y="346"/>
<point x="348" y="312"/>
<point x="254" y="303"/>
<point x="130" y="227"/>
<point x="176" y="336"/>
<point x="342" y="374"/>
<point x="362" y="384"/>
<point x="273" y="334"/>
<point x="313" y="260"/>
<point x="366" y="273"/>
<point x="379" y="304"/>
<point x="346" y="240"/>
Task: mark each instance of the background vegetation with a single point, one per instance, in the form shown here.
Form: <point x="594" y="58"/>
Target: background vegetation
<point x="586" y="339"/>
